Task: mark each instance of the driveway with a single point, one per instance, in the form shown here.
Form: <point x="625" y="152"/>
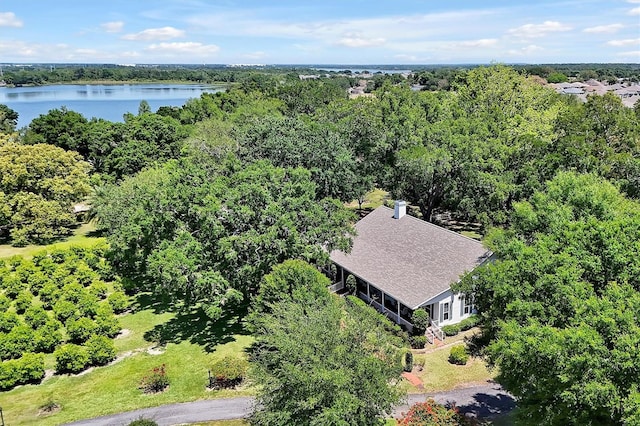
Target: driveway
<point x="484" y="400"/>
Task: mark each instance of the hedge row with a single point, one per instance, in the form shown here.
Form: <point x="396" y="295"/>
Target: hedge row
<point x="72" y="358"/>
<point x="464" y="325"/>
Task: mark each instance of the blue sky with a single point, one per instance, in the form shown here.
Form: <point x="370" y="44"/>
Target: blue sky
<point x="319" y="31"/>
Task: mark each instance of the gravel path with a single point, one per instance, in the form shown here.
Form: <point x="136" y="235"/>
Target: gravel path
<point x="483" y="400"/>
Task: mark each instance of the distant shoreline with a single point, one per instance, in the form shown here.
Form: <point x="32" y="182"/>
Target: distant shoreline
<point x="119" y="82"/>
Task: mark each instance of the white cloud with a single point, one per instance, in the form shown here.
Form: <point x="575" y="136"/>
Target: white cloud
<point x="155" y="34"/>
<point x="539" y="30"/>
<point x="483" y="42"/>
<point x="632" y="55"/>
<point x="525" y="51"/>
<point x="112" y="27"/>
<point x="182" y="49"/>
<point x="604" y="29"/>
<point x="634" y="11"/>
<point x="633" y="1"/>
<point x="9" y="19"/>
<point x="625" y="42"/>
<point x="359" y="41"/>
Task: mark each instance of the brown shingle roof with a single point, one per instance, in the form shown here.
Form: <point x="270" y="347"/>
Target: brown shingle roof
<point x="408" y="258"/>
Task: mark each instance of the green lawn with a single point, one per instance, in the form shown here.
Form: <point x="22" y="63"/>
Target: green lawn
<point x="440" y="375"/>
<point x="82" y="236"/>
<point x="189" y="346"/>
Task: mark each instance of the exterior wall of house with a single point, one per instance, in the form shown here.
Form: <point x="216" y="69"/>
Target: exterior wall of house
<point x="448" y="308"/>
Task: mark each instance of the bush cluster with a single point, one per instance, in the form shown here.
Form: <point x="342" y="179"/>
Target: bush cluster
<point x="407" y="361"/>
<point x="458" y="355"/>
<point x="38" y="296"/>
<point x="156" y="381"/>
<point x="227" y="372"/>
<point x="27" y="369"/>
<point x="464" y="325"/>
<point x="418" y="342"/>
<point x="430" y="413"/>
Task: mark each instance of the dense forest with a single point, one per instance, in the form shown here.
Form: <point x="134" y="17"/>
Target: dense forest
<point x="233" y="200"/>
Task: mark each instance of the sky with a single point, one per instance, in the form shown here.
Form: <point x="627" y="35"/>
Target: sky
<point x="319" y="31"/>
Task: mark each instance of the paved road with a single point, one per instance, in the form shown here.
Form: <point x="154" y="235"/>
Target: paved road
<point x="478" y="401"/>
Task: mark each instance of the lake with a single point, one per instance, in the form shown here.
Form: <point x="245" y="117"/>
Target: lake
<point x="110" y="102"/>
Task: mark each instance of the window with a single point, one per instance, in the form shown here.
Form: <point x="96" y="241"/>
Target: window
<point x="445" y="311"/>
<point x="467" y="305"/>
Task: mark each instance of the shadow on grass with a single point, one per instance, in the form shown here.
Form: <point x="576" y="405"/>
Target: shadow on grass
<point x="192" y="324"/>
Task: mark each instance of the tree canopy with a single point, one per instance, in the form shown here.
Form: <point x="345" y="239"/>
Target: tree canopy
<point x="560" y="307"/>
<point x="38" y="186"/>
<point x="211" y="235"/>
<point x="321" y="361"/>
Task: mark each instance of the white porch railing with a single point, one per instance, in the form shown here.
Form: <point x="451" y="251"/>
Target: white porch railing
<point x="435" y="330"/>
<point x="336" y="286"/>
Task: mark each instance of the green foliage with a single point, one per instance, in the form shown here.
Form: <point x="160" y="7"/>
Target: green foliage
<point x="119" y="301"/>
<point x="79" y="330"/>
<point x="101" y="350"/>
<point x="451" y="329"/>
<point x="557" y="77"/>
<point x="4" y="303"/>
<point x="420" y="320"/>
<point x="143" y="422"/>
<point x="8" y="320"/>
<point x="228" y="372"/>
<point x="290" y="280"/>
<point x="407" y="361"/>
<point x="458" y="355"/>
<point x="27" y="369"/>
<point x="211" y="235"/>
<point x="64" y="309"/>
<point x="560" y="308"/>
<point x="38" y="185"/>
<point x="324" y="362"/>
<point x="156" y="381"/>
<point x="36" y="316"/>
<point x="23" y="301"/>
<point x="16" y="342"/>
<point x="418" y="342"/>
<point x="48" y="337"/>
<point x="71" y="358"/>
<point x="430" y="413"/>
<point x="99" y="289"/>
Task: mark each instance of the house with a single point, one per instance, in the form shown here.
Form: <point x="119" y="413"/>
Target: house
<point x="401" y="263"/>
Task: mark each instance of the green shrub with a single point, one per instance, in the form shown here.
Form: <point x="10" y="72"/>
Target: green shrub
<point x="469" y="323"/>
<point x="37" y="280"/>
<point x="88" y="304"/>
<point x="451" y="330"/>
<point x="8" y="320"/>
<point x="49" y="295"/>
<point x="420" y="320"/>
<point x="430" y="413"/>
<point x="407" y="361"/>
<point x="12" y="286"/>
<point x="99" y="289"/>
<point x="227" y="372"/>
<point x="4" y="303"/>
<point x="36" y="316"/>
<point x="25" y="270"/>
<point x="106" y="322"/>
<point x="27" y="369"/>
<point x="458" y="355"/>
<point x="72" y="291"/>
<point x="48" y="337"/>
<point x="71" y="358"/>
<point x="143" y="422"/>
<point x="79" y="330"/>
<point x="18" y="341"/>
<point x="84" y="274"/>
<point x="119" y="301"/>
<point x="101" y="350"/>
<point x="418" y="342"/>
<point x="64" y="309"/>
<point x="156" y="381"/>
<point x="23" y="301"/>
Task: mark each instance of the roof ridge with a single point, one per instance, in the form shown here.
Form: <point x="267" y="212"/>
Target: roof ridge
<point x="436" y="226"/>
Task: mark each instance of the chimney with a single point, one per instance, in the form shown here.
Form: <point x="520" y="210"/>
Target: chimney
<point x="400" y="209"/>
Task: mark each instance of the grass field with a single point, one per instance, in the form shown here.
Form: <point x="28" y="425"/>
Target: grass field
<point x="114" y="388"/>
<point x="84" y="235"/>
<point x="440" y="375"/>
